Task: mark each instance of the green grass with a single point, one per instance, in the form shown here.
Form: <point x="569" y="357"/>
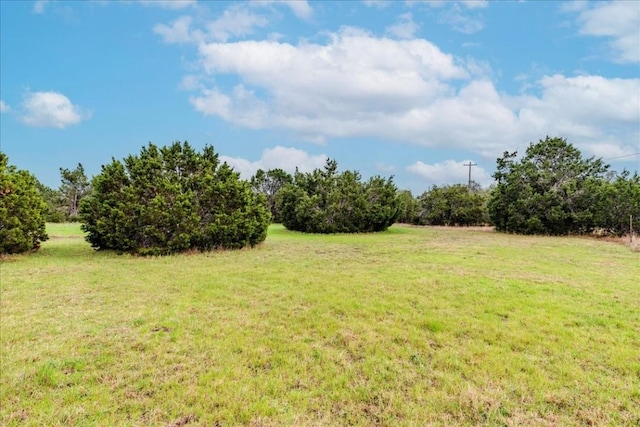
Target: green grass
<point x="414" y="326"/>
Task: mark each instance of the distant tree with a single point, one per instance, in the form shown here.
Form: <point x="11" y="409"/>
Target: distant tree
<point x="75" y="186"/>
<point x="547" y="191"/>
<point x="324" y="201"/>
<point x="408" y="210"/>
<point x="55" y="209"/>
<point x="22" y="210"/>
<point x="452" y="205"/>
<point x="172" y="199"/>
<point x="269" y="183"/>
<point x="617" y="199"/>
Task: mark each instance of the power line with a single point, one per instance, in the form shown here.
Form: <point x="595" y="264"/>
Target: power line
<point x="621" y="157"/>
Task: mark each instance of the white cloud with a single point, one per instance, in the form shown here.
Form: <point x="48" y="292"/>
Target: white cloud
<point x="301" y="8"/>
<point x="404" y="28"/>
<point x="177" y="32"/>
<point x="236" y="21"/>
<point x="474" y="4"/>
<point x="459" y="15"/>
<point x="4" y="107"/>
<point x="39" y="6"/>
<point x="449" y="172"/>
<point x="608" y="150"/>
<point x="242" y="107"/>
<point x="285" y="158"/>
<point x="343" y="88"/>
<point x="591" y="111"/>
<point x="348" y="87"/>
<point x="619" y="21"/>
<point x="574" y="5"/>
<point x="170" y="4"/>
<point x="461" y="21"/>
<point x="50" y="109"/>
<point x="191" y="82"/>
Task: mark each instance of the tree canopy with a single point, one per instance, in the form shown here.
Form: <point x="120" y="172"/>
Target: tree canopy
<point x="172" y="199"/>
<point x="22" y="210"/>
<point x="325" y="201"/>
<point x="269" y="183"/>
<point x="551" y="190"/>
<point x="618" y="199"/>
<point x="452" y="205"/>
<point x="74" y="187"/>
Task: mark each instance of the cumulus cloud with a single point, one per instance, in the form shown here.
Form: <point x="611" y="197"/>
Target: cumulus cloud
<point x="285" y="158"/>
<point x="449" y="172"/>
<point x="618" y="21"/>
<point x="50" y="109"/>
<point x="349" y="88"/>
<point x="609" y="149"/>
<point x="338" y="89"/>
<point x="591" y="111"/>
<point x="346" y="86"/>
<point x="404" y="28"/>
<point x="4" y="107"/>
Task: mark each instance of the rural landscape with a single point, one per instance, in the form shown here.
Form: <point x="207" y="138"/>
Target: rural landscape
<point x="314" y="213"/>
<point x="386" y="324"/>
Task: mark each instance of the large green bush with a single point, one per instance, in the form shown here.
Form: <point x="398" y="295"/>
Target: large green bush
<point x="551" y="190"/>
<point x="618" y="204"/>
<point x="324" y="201"/>
<point x="172" y="199"/>
<point x="22" y="210"/>
<point x="452" y="205"/>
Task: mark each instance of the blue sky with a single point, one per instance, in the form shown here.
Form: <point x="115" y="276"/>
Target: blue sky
<point x="412" y="89"/>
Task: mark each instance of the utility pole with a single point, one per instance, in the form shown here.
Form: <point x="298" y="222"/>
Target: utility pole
<point x="470" y="165"/>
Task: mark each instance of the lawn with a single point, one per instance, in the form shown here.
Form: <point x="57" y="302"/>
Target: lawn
<point x="411" y="327"/>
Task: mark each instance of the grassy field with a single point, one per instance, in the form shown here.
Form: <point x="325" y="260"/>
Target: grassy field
<point x="411" y="327"/>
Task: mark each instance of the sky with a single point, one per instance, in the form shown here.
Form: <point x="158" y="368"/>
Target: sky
<point x="409" y="89"/>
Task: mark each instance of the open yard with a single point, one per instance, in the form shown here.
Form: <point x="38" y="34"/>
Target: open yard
<point x="411" y="327"/>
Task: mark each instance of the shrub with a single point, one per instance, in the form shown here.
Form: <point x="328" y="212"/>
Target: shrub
<point x="549" y="191"/>
<point x="172" y="199"/>
<point x="324" y="201"/>
<point x="22" y="210"/>
<point x="452" y="205"/>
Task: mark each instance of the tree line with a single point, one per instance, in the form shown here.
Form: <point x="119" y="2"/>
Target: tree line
<point x="173" y="198"/>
